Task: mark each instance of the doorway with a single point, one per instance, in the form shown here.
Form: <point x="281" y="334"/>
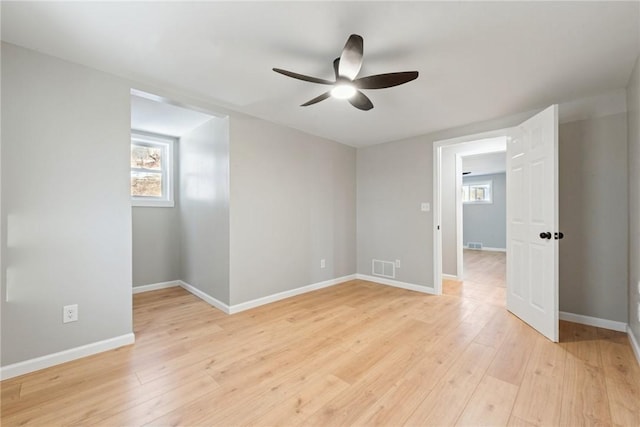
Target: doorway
<point x="472" y="154"/>
<point x="481" y="226"/>
<point x="532" y="214"/>
<point x="180" y="225"/>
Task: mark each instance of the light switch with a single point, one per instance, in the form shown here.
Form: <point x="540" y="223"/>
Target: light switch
<point x="425" y="207"/>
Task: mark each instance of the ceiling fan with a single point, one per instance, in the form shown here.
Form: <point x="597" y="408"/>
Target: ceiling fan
<point x="346" y="69"/>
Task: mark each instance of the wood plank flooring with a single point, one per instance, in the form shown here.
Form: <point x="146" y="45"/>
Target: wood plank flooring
<point x="485" y="267"/>
<point x="358" y="353"/>
<point x="484" y="278"/>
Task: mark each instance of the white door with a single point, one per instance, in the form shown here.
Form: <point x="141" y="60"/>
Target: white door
<point x="532" y="222"/>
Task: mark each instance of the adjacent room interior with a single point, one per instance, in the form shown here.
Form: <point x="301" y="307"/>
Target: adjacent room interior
<point x="329" y="213"/>
<point x="482" y="207"/>
<point x="180" y="211"/>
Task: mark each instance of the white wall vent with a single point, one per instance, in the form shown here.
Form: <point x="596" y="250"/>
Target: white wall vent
<point x="474" y="245"/>
<point x="383" y="268"/>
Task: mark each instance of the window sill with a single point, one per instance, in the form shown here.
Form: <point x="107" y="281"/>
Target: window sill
<point x="152" y="203"/>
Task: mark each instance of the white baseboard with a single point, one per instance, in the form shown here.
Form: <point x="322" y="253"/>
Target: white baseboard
<point x="205" y="297"/>
<point x="634" y="343"/>
<point x="397" y="284"/>
<point x="155" y="286"/>
<point x="236" y="308"/>
<point x="450" y="277"/>
<point x="494" y="249"/>
<point x="49" y="360"/>
<point x="594" y="321"/>
<point x="485" y="248"/>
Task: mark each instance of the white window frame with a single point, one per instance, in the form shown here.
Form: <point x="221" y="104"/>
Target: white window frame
<point x="166" y="143"/>
<point x="488" y="182"/>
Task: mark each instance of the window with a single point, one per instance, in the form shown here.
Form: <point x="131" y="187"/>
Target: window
<point x="151" y="170"/>
<point x="477" y="192"/>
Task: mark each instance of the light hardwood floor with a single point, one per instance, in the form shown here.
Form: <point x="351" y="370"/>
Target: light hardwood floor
<point x="353" y="354"/>
<point x="484" y="278"/>
<point x="485" y="267"/>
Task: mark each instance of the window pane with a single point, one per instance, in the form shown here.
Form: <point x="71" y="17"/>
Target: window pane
<point x="146" y="157"/>
<point x="480" y="192"/>
<point x="146" y="184"/>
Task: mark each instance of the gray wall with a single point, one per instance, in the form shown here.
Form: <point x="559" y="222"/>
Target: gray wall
<point x="487" y="222"/>
<point x="156" y="245"/>
<point x="156" y="239"/>
<point x="393" y="179"/>
<point x="593" y="217"/>
<point x="66" y="214"/>
<point x="292" y="204"/>
<point x="633" y="106"/>
<point x="204" y="208"/>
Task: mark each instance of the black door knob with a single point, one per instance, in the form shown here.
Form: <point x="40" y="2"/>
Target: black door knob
<point x="545" y="235"/>
<point x="559" y="235"/>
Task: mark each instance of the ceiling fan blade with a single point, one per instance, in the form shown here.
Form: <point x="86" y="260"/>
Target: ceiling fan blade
<point x="381" y="81"/>
<point x="336" y="65"/>
<point x="351" y="58"/>
<point x="317" y="99"/>
<point x="302" y="77"/>
<point x="361" y="102"/>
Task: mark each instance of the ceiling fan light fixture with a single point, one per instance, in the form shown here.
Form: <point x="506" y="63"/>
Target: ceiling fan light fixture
<point x="347" y="85"/>
<point x="343" y="91"/>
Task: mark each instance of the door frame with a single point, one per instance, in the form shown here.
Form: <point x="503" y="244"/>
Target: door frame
<point x="493" y="141"/>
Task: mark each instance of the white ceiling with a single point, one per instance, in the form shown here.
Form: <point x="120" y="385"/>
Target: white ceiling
<point x="477" y="60"/>
<point x="165" y="119"/>
<point x="485" y="164"/>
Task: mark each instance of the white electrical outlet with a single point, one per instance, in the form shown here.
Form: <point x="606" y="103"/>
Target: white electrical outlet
<point x="425" y="207"/>
<point x="397" y="263"/>
<point x="70" y="313"/>
<point x="323" y="264"/>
